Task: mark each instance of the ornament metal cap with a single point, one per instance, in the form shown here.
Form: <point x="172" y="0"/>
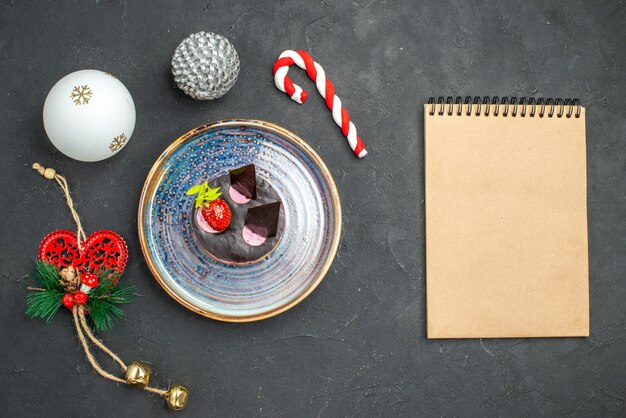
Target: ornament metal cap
<point x="138" y="374"/>
<point x="177" y="397"/>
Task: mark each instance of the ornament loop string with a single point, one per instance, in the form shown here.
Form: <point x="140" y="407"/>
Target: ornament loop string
<point x="82" y="328"/>
<point x="97" y="342"/>
<point x="51" y="174"/>
<point x="85" y="344"/>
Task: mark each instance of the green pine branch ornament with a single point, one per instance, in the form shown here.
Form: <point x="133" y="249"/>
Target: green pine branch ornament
<point x="102" y="303"/>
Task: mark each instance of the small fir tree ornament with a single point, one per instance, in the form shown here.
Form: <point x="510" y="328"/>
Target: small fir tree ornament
<point x="82" y="274"/>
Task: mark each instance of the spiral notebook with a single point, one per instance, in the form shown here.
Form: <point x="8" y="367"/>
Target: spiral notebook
<point x="506" y="218"/>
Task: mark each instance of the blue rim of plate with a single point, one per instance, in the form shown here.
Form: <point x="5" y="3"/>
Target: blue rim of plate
<point x="254" y="291"/>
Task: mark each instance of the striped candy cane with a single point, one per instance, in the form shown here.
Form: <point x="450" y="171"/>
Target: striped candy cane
<point x="315" y="71"/>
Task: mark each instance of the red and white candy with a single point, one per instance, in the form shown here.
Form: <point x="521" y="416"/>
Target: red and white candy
<point x="315" y="71"/>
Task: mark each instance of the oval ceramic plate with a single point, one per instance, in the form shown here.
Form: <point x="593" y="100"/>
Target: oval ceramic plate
<point x="245" y="292"/>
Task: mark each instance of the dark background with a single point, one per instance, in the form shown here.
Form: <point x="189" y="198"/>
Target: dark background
<point x="356" y="346"/>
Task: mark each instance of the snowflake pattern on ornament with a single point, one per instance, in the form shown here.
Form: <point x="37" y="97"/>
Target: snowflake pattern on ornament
<point x="118" y="142"/>
<point x="81" y="95"/>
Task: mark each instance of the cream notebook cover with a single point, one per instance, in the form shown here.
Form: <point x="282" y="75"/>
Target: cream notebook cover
<point x="506" y="219"/>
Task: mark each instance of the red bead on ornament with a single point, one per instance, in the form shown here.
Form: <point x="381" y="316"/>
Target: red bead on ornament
<point x="89" y="280"/>
<point x="68" y="300"/>
<point x="80" y="298"/>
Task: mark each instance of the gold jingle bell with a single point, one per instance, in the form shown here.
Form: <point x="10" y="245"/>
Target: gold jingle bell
<point x="138" y="374"/>
<point x="177" y="397"/>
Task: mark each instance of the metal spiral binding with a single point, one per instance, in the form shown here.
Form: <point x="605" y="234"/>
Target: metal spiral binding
<point x="510" y="106"/>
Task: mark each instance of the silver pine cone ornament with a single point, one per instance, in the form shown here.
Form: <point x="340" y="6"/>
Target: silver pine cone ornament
<point x="205" y="65"/>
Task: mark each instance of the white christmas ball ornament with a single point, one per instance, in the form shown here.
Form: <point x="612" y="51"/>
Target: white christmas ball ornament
<point x="89" y="115"/>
